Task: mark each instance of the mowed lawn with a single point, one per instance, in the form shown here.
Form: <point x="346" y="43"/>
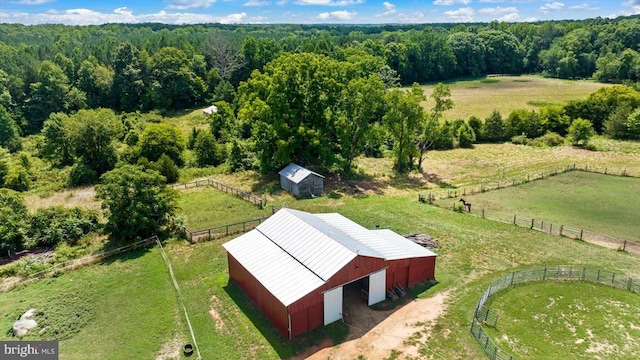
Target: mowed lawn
<point x="596" y="202"/>
<point x="480" y="97"/>
<point x="602" y="325"/>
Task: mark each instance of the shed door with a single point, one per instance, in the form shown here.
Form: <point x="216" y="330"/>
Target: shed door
<point x="333" y="305"/>
<point x="377" y="284"/>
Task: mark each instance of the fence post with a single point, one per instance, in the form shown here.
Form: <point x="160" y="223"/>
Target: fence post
<point x="624" y="246"/>
<point x="625" y="242"/>
<point x="598" y="275"/>
<point x="227" y="230"/>
<point x="613" y="278"/>
<point x="581" y="231"/>
<point x="532" y="220"/>
<point x="514" y="219"/>
<point x="541" y="224"/>
<point x="629" y="284"/>
<point x="561" y="229"/>
<point x="513" y="275"/>
<point x="544" y="274"/>
<point x="551" y="228"/>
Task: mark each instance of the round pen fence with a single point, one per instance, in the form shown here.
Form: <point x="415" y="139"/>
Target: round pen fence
<point x="484" y="316"/>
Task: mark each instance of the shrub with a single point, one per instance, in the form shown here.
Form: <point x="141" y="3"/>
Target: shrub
<point x="580" y="132"/>
<point x="549" y="139"/>
<point x="167" y="168"/>
<point x="51" y="226"/>
<point x="520" y="139"/>
<point x="81" y="174"/>
<point x="17" y="179"/>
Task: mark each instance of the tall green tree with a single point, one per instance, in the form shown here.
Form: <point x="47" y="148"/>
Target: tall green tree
<point x="9" y="135"/>
<point x="175" y="85"/>
<point x="361" y="107"/>
<point x="48" y="95"/>
<point x="427" y="131"/>
<point x="402" y="118"/>
<point x="93" y="135"/>
<point x="128" y="83"/>
<point x="137" y="202"/>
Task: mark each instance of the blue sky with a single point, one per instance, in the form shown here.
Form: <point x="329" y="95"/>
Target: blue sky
<point x="75" y="12"/>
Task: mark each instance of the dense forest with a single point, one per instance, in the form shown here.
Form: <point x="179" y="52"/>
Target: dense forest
<point x="318" y="95"/>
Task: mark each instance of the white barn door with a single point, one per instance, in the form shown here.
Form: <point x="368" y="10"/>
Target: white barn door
<point x="377" y="285"/>
<point x="333" y="305"/>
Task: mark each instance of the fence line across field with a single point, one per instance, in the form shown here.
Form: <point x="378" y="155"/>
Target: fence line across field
<point x="77" y="263"/>
<point x="476" y="189"/>
<point x="483" y="315"/>
<point x="244" y="195"/>
<point x="222" y="231"/>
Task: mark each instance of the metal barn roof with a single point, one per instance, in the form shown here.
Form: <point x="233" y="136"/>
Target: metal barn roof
<point x="297" y="173"/>
<point x="294" y="252"/>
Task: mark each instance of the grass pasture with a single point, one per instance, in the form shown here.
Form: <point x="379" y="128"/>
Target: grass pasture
<point x="590" y="201"/>
<point x="480" y="97"/>
<point x="123" y="308"/>
<point x="206" y="207"/>
<point x="602" y="325"/>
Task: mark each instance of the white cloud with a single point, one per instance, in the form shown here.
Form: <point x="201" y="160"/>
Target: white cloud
<point x="413" y="18"/>
<point x="329" y="2"/>
<point x="32" y="2"/>
<point x="461" y="15"/>
<point x="584" y="7"/>
<point x="451" y="2"/>
<point x="388" y="10"/>
<point x="511" y="17"/>
<point x="233" y="18"/>
<point x="498" y="10"/>
<point x="551" y="6"/>
<point x="189" y="4"/>
<point x="257" y="3"/>
<point x="341" y="15"/>
<point x="122" y="15"/>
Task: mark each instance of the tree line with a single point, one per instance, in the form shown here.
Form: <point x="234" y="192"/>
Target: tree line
<point x="90" y="102"/>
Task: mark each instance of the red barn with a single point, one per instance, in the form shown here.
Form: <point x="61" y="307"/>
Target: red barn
<point x="295" y="264"/>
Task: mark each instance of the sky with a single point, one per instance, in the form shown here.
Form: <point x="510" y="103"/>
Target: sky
<point x="94" y="12"/>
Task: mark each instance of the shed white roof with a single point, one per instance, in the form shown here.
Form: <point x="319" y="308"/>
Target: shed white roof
<point x="297" y="173"/>
<point x="294" y="252"/>
<point x="210" y="110"/>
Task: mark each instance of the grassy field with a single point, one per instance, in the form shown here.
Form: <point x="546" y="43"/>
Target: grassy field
<point x="601" y="325"/>
<point x="206" y="207"/>
<point x="595" y="202"/>
<point x="135" y="294"/>
<point x="480" y="97"/>
<point x="124" y="308"/>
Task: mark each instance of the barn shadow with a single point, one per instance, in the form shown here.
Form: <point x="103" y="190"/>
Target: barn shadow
<point x="358" y="319"/>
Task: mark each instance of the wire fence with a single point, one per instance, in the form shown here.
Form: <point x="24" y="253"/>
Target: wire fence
<point x="244" y="195"/>
<point x="499" y="184"/>
<point x="63" y="267"/>
<point x="483" y="315"/>
<point x="629" y="245"/>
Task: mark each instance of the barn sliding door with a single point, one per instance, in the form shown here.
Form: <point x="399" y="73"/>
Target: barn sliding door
<point x="377" y="285"/>
<point x="333" y="305"/>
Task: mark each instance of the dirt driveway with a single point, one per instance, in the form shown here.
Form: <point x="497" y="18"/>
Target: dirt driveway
<point x="375" y="334"/>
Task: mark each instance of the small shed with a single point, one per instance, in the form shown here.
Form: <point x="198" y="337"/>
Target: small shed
<point x="295" y="265"/>
<point x="301" y="182"/>
<point x="210" y="110"/>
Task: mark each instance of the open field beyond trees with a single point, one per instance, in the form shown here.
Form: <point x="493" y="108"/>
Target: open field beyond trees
<point x="480" y="97"/>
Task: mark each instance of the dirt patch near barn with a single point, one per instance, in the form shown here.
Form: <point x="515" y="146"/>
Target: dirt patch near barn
<point x="376" y="334"/>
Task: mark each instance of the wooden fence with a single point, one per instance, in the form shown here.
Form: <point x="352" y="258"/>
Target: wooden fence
<point x="244" y="195"/>
<point x="76" y="263"/>
<point x="483" y="315"/>
<point x="222" y="231"/>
